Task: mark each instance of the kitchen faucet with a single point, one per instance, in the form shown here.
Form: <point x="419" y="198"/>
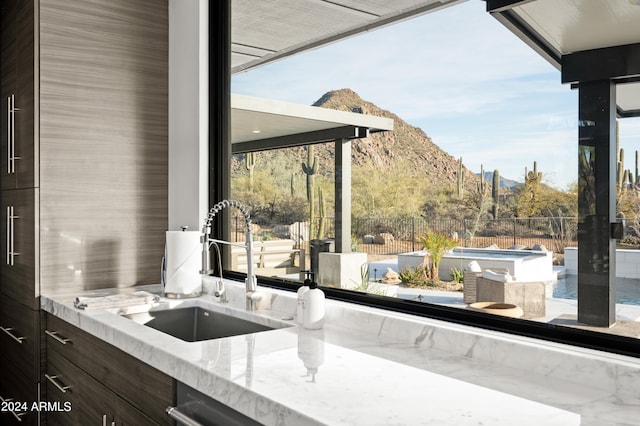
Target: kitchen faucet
<point x="250" y="282"/>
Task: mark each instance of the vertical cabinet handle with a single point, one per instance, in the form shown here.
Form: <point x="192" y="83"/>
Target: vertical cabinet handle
<point x="54" y="335"/>
<point x="53" y="380"/>
<point x="12" y="134"/>
<point x="12" y="159"/>
<point x="9" y="233"/>
<point x="11" y="252"/>
<point x="9" y="113"/>
<point x="8" y="331"/>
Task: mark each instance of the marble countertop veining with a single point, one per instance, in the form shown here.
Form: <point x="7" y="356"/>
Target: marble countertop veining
<point x="372" y="367"/>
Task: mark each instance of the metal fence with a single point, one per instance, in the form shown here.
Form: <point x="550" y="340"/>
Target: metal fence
<point x="382" y="236"/>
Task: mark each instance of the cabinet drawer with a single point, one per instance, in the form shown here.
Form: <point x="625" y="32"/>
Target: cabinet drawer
<point x="81" y="400"/>
<point x="20" y="337"/>
<point x="76" y="398"/>
<point x="146" y="388"/>
<point x="15" y="388"/>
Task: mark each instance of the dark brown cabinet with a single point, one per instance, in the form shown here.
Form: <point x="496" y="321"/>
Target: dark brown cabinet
<point x="18" y="246"/>
<point x="83" y="164"/>
<point x="22" y="346"/>
<point x="17" y="135"/>
<point x="100" y="382"/>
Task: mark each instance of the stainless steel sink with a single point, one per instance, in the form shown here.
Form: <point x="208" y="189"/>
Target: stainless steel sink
<point x="194" y="324"/>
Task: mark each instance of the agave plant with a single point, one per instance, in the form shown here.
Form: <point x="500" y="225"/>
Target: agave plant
<point x="436" y="245"/>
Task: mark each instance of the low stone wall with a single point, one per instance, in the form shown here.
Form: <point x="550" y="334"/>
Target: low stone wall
<point x="627" y="262"/>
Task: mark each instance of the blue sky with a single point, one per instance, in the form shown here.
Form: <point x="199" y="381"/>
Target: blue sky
<point x="471" y="85"/>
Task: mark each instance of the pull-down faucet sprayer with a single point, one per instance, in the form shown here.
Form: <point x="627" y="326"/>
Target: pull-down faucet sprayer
<point x="250" y="282"/>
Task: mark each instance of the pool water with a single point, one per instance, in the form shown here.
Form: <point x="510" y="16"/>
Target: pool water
<point x="627" y="289"/>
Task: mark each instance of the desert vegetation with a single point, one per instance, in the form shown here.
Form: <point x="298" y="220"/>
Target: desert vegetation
<point x="403" y="175"/>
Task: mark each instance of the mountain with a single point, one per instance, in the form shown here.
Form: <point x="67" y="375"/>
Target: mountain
<point x="407" y="144"/>
<point x="407" y="148"/>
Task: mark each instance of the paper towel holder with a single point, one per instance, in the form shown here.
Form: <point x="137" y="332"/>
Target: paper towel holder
<point x="163" y="278"/>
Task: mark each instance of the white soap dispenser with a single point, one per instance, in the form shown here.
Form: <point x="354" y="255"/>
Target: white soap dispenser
<point x="301" y="291"/>
<point x="313" y="310"/>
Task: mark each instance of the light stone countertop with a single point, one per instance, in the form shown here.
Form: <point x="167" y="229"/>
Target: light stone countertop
<point x="375" y="367"/>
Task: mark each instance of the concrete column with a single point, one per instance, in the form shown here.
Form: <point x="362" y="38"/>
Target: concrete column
<point x="343" y="195"/>
<point x="596" y="203"/>
<point x="188" y="113"/>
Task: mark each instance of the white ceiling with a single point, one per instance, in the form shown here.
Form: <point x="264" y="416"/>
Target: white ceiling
<point x="575" y="25"/>
<point x="559" y="27"/>
<point x="256" y="118"/>
<point x="263" y="31"/>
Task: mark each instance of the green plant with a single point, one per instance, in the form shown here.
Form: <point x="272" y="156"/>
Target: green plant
<point x="436" y="244"/>
<point x="322" y="212"/>
<point x="460" y="180"/>
<point x="310" y="168"/>
<point x="457" y="275"/>
<point x="412" y="277"/>
<point x="482" y="187"/>
<point x="355" y="245"/>
<point x="250" y="164"/>
<point x="495" y="193"/>
<point x="366" y="285"/>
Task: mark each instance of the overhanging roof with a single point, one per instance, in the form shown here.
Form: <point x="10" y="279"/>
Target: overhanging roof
<point x="259" y="124"/>
<point x="588" y="39"/>
<point x="267" y="30"/>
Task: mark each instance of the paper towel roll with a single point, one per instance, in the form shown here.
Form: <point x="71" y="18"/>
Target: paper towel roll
<point x="183" y="264"/>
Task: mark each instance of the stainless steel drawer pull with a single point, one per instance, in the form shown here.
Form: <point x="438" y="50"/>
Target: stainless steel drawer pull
<point x="16" y="415"/>
<point x="9" y="330"/>
<point x="179" y="416"/>
<point x="54" y="335"/>
<point x="53" y="380"/>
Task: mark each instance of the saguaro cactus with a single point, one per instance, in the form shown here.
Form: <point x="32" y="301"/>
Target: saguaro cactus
<point x="533" y="176"/>
<point x="292" y="186"/>
<point x="495" y="193"/>
<point x="636" y="181"/>
<point x="460" y="178"/>
<point x="250" y="164"/>
<point x="620" y="178"/>
<point x="310" y="168"/>
<point x="482" y="185"/>
<point x="322" y="213"/>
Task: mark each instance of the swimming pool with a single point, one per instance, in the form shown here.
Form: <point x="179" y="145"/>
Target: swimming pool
<point x="627" y="289"/>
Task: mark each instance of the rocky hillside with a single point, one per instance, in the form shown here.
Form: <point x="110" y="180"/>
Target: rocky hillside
<point x="406" y="147"/>
<point x="406" y="142"/>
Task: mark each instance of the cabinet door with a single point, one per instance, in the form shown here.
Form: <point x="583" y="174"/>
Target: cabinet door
<point x="25" y="149"/>
<point x="7" y="87"/>
<point x="19" y="245"/>
<point x="18" y="165"/>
